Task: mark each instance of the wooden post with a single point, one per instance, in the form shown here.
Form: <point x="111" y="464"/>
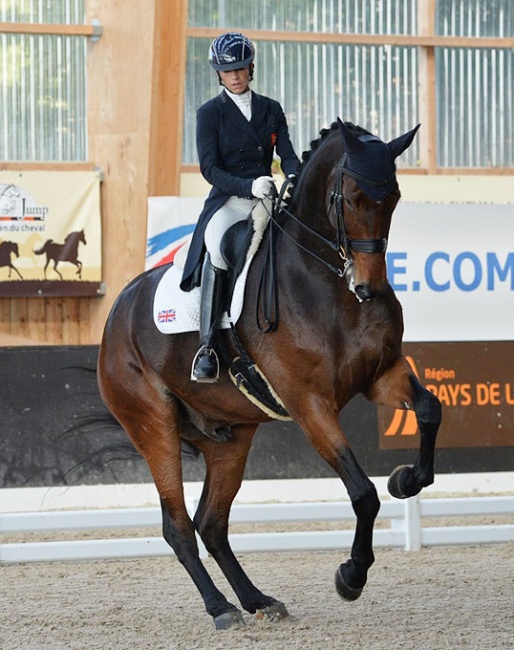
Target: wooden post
<point x="427" y="88"/>
<point x="167" y="110"/>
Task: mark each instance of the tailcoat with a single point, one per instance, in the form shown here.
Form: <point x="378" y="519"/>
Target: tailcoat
<point x="233" y="152"/>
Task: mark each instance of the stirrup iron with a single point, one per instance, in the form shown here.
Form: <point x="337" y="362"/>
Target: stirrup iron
<point x="210" y="378"/>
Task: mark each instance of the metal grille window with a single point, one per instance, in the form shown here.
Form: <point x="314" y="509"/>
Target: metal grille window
<point x="475" y="98"/>
<point x="43" y="84"/>
<point x="376" y="86"/>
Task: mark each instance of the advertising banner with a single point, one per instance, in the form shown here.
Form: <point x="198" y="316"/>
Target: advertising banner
<point x="50" y="233"/>
<point x="452" y="268"/>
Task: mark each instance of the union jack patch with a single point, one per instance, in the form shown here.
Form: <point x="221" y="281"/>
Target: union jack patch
<point x="166" y="316"/>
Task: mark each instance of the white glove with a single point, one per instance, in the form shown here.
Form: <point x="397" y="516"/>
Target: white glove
<point x="262" y="186"/>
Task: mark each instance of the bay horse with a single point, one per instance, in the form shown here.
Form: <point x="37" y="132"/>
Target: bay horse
<point x="339" y="333"/>
<point x="8" y="248"/>
<point x="66" y="252"/>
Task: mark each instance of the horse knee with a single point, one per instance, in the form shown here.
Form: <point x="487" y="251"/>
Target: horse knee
<point x="367" y="505"/>
<point x="427" y="408"/>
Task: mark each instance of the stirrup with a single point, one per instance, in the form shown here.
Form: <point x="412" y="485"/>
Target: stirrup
<point x="209" y="374"/>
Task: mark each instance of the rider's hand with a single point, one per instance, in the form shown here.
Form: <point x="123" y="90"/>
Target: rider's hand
<point x="262" y="186"/>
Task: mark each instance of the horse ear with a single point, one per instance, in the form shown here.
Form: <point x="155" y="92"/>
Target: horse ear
<point x="351" y="142"/>
<point x="399" y="145"/>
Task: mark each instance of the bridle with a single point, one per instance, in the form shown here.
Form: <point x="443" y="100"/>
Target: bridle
<point x="342" y="245"/>
<point x="345" y="244"/>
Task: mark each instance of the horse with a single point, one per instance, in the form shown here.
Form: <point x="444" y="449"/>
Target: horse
<point x="67" y="252"/>
<point x="337" y="331"/>
<point x="6" y="249"/>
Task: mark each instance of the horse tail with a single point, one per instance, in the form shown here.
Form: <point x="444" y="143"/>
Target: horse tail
<point x="43" y="248"/>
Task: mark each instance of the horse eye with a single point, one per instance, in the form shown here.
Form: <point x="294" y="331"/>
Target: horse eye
<point x="348" y="203"/>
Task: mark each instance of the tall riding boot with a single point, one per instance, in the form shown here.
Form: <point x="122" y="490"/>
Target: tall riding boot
<point x="206" y="367"/>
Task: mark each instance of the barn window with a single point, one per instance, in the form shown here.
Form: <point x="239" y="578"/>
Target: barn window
<point x="333" y="58"/>
<point x="42" y="81"/>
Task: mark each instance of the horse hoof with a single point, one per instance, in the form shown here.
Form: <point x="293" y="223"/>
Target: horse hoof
<point x="400" y="484"/>
<point x="275" y="612"/>
<point x="233" y="618"/>
<point x="343" y="588"/>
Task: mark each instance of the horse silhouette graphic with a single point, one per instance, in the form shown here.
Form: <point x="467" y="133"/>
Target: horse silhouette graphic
<point x="67" y="252"/>
<point x="6" y="249"/>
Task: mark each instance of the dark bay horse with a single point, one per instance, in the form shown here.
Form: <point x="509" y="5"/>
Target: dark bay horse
<point x="8" y="248"/>
<point x="66" y="252"/>
<point x="339" y="333"/>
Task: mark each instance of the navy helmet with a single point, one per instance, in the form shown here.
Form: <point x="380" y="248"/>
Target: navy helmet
<point x="231" y="51"/>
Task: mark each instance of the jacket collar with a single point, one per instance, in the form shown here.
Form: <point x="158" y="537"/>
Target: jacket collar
<point x="239" y="120"/>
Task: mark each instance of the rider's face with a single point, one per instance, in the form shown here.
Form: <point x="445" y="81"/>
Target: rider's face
<point x="236" y="80"/>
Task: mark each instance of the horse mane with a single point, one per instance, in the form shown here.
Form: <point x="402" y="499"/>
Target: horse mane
<point x="324" y="134"/>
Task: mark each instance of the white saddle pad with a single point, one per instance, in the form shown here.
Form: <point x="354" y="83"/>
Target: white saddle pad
<point x="176" y="311"/>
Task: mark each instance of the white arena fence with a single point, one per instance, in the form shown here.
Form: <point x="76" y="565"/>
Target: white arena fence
<point x="405" y="529"/>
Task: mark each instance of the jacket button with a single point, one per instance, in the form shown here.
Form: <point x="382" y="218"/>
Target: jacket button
<point x="241" y="150"/>
<point x="259" y="148"/>
<point x="242" y="167"/>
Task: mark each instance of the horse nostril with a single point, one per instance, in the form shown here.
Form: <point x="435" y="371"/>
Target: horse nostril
<point x="364" y="292"/>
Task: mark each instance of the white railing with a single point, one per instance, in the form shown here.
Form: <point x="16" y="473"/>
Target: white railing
<point x="405" y="528"/>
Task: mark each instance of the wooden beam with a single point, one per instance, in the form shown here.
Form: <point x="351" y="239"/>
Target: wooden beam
<point x="51" y="29"/>
<point x="167" y="109"/>
<point x="422" y="40"/>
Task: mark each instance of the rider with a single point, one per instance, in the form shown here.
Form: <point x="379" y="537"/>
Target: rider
<point x="237" y="132"/>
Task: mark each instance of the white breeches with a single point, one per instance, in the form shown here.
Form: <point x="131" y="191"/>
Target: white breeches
<point x="234" y="210"/>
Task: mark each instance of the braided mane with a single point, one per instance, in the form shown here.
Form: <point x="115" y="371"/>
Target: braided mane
<point x="314" y="145"/>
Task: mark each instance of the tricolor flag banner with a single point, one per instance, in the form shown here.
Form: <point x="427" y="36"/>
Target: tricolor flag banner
<point x="171" y="221"/>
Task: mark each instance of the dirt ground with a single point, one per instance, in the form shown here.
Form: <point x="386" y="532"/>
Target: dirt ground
<point x="436" y="599"/>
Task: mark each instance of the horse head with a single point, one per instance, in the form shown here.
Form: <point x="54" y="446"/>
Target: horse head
<point x="76" y="237"/>
<point x="362" y="193"/>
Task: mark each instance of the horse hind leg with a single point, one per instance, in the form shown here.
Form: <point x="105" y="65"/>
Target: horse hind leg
<point x="151" y="418"/>
<point x="224" y="473"/>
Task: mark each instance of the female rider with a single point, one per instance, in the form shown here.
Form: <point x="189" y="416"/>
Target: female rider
<point x="237" y="133"/>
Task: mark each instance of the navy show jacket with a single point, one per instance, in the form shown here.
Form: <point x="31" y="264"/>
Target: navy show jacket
<point x="233" y="152"/>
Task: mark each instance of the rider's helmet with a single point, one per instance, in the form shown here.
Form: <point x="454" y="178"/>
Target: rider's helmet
<point x="231" y="51"/>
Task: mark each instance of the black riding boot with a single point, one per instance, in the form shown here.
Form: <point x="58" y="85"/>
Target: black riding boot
<point x="206" y="367"/>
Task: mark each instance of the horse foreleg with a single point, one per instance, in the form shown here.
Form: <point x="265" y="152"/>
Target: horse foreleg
<point x="11" y="266"/>
<point x="399" y="387"/>
<point x="330" y="442"/>
<point x="225" y="465"/>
